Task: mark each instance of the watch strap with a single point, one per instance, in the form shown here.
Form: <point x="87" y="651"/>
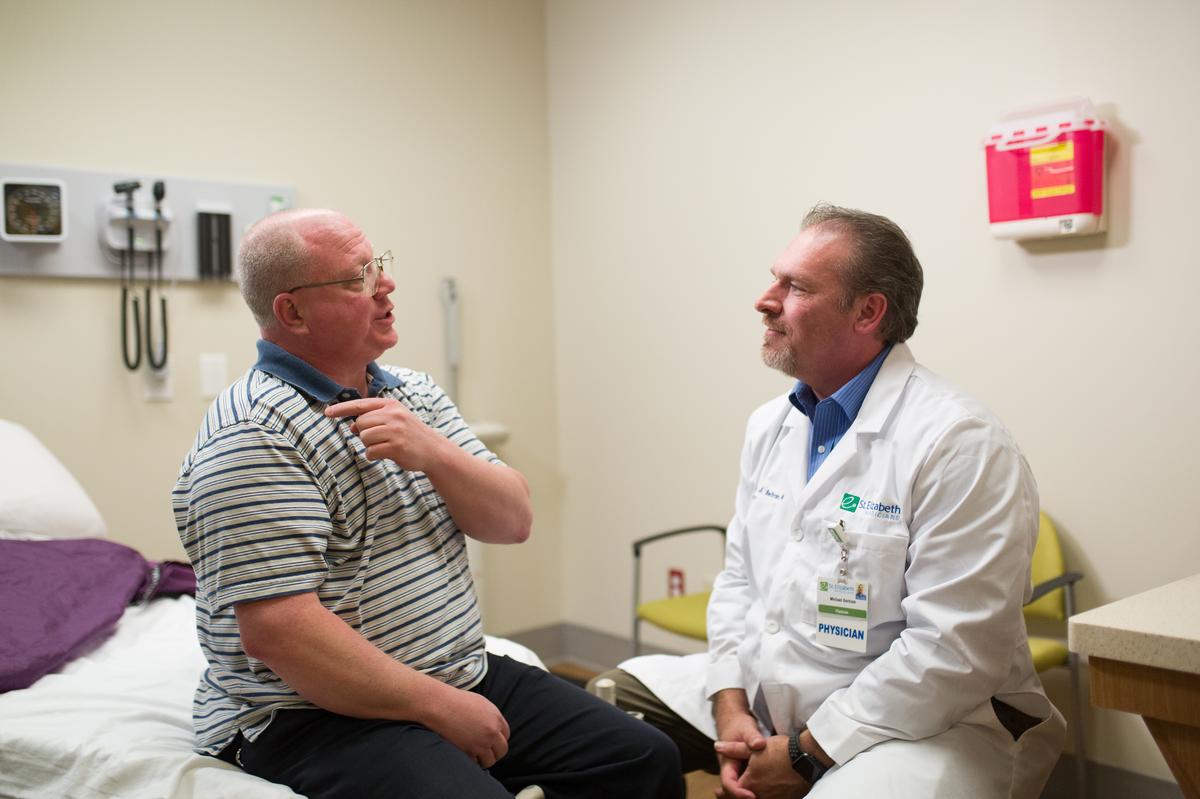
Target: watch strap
<point x="804" y="764"/>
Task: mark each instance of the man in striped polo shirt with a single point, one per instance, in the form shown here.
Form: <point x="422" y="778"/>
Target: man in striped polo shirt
<point x="324" y="506"/>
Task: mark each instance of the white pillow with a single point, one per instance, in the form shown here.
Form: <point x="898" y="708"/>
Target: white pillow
<point x="38" y="496"/>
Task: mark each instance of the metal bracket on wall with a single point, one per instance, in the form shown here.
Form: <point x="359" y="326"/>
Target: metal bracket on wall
<point x="204" y="220"/>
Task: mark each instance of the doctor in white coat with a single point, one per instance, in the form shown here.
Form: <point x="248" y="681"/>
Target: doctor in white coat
<point x="866" y="635"/>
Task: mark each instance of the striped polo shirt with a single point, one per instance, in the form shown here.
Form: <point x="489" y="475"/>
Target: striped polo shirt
<point x="276" y="499"/>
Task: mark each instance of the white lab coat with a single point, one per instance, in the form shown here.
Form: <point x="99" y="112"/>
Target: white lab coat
<point x="942" y="534"/>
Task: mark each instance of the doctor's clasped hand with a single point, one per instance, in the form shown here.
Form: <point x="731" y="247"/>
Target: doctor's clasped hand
<point x="754" y="766"/>
<point x="738" y="737"/>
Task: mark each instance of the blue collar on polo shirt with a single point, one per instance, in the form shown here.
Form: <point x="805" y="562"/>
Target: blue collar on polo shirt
<point x="832" y="416"/>
<point x="278" y="362"/>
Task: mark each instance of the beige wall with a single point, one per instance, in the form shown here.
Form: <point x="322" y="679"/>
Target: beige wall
<point x="687" y="140"/>
<point x="424" y="121"/>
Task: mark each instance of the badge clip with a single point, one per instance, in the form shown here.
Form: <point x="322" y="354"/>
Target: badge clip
<point x="837" y="533"/>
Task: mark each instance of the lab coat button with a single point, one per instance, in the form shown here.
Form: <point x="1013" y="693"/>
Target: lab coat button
<point x="772" y="627"/>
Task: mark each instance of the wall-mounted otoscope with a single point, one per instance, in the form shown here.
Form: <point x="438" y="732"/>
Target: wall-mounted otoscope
<point x="131" y="351"/>
<point x="155" y="281"/>
<point x="134" y="360"/>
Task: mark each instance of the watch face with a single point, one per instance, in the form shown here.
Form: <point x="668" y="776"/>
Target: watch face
<point x="33" y="209"/>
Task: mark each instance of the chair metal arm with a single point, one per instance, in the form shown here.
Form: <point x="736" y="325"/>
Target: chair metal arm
<point x="1064" y="580"/>
<point x="637" y="545"/>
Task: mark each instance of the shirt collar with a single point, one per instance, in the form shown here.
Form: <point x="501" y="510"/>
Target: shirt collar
<point x="278" y="362"/>
<point x="849" y="397"/>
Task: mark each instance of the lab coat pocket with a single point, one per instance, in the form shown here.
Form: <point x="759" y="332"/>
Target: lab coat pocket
<point x="875" y="559"/>
<point x="879" y="561"/>
<point x="1036" y="752"/>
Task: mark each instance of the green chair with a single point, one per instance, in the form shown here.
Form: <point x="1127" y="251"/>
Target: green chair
<point x="682" y="615"/>
<point x="1054" y="600"/>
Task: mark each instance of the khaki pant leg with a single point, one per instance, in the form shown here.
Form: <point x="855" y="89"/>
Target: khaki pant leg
<point x="695" y="748"/>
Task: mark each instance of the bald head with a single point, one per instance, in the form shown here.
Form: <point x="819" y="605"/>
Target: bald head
<point x="276" y="254"/>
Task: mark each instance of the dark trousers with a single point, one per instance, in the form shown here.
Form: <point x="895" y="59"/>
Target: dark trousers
<point x="562" y="739"/>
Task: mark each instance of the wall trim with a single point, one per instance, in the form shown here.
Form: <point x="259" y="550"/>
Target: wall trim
<point x="584" y="646"/>
<point x="1107" y="782"/>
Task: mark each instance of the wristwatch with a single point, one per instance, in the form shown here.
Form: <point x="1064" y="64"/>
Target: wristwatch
<point x="805" y="764"/>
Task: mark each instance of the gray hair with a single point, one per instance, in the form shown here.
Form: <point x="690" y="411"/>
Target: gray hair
<point x="882" y="261"/>
<point x="273" y="257"/>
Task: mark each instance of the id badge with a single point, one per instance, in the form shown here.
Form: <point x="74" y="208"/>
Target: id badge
<point x="842" y="613"/>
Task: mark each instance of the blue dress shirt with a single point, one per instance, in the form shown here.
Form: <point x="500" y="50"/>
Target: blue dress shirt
<point x="832" y="416"/>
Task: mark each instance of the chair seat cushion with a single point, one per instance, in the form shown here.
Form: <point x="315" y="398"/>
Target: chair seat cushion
<point x="683" y="615"/>
<point x="1047" y="652"/>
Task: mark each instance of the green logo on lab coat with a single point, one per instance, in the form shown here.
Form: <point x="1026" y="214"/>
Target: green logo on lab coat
<point x="849" y="502"/>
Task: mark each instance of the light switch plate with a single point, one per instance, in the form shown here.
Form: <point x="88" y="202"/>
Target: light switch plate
<point x="214" y="374"/>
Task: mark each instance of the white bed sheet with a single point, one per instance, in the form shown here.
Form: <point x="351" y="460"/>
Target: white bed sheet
<point x="116" y="722"/>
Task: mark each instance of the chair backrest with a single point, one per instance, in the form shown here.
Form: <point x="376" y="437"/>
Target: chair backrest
<point x="1047" y="564"/>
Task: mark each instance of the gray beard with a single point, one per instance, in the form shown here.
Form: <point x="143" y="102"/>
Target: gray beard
<point x="780" y="359"/>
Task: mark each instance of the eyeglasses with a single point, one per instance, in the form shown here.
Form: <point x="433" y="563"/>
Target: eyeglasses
<point x="369" y="276"/>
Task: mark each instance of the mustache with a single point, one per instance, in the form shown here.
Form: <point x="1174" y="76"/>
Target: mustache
<point x="770" y="323"/>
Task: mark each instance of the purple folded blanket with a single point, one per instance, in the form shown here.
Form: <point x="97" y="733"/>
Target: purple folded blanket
<point x="59" y="597"/>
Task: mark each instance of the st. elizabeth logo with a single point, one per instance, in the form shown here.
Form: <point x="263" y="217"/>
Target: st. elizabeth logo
<point x="869" y="507"/>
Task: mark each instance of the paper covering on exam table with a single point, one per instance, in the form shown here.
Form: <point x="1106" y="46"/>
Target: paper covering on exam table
<point x="117" y="721"/>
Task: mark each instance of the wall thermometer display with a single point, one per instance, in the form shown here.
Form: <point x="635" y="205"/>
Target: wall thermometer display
<point x="35" y="209"/>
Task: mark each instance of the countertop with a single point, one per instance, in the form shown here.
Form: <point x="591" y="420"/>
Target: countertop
<point x="1159" y="627"/>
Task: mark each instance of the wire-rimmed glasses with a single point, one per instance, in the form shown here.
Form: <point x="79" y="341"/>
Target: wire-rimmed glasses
<point x="369" y="276"/>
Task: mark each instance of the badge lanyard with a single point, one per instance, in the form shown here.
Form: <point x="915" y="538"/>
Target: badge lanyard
<point x="838" y="534"/>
